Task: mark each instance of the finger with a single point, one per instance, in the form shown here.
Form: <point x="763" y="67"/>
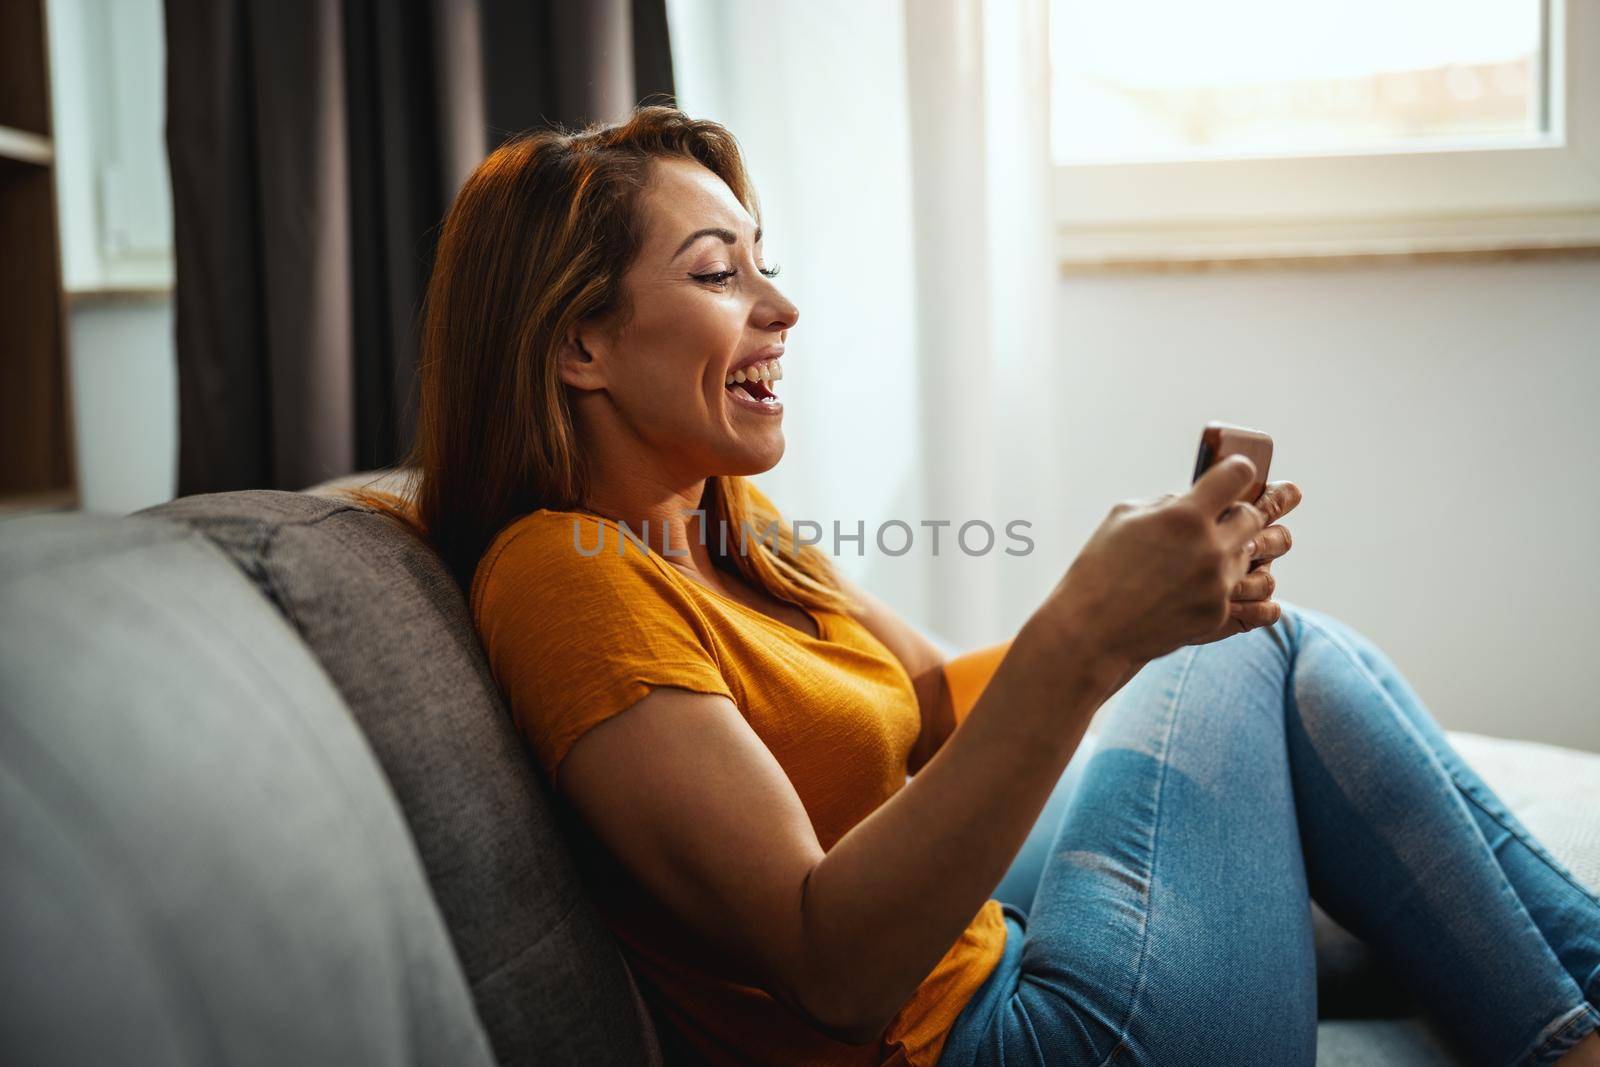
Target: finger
<point x="1223" y="484"/>
<point x="1278" y="499"/>
<point x="1253" y="614"/>
<point x="1257" y="585"/>
<point x="1239" y="525"/>
<point x="1273" y="542"/>
<point x="1237" y="566"/>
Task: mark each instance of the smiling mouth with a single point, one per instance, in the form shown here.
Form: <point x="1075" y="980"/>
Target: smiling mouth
<point x="756" y="381"/>
<point x="756" y="390"/>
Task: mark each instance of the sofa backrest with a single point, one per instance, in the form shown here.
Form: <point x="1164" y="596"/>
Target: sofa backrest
<point x="381" y="613"/>
<point x="200" y="860"/>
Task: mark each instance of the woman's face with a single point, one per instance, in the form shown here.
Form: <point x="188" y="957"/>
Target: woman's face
<point x="689" y="379"/>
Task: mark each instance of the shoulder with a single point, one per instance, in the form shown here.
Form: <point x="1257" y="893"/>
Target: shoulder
<point x="574" y="635"/>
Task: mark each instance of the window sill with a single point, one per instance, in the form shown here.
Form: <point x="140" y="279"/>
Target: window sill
<point x="1188" y="247"/>
<point x="133" y="294"/>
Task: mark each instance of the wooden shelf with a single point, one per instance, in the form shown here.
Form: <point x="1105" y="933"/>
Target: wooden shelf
<point x="20" y="146"/>
<point x="127" y="294"/>
<point x="36" y="431"/>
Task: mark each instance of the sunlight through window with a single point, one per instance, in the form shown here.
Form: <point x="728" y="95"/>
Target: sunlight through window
<point x="1174" y="79"/>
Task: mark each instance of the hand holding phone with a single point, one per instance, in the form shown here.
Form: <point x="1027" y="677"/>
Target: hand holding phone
<point x="1145" y="584"/>
<point x="1274" y="499"/>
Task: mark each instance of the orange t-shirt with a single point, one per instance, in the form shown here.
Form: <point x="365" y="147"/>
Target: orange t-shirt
<point x="574" y="639"/>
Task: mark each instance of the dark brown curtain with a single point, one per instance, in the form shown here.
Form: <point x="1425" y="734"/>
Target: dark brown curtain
<point x="315" y="145"/>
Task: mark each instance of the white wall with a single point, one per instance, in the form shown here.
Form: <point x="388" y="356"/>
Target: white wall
<point x="124" y="403"/>
<point x="1441" y="421"/>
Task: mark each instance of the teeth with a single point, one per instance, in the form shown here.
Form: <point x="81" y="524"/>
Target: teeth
<point x="771" y="371"/>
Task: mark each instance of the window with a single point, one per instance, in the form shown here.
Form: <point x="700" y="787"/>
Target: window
<point x="1242" y="129"/>
<point x="111" y="162"/>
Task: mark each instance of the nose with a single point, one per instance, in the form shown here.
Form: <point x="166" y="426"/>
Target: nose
<point x="777" y="312"/>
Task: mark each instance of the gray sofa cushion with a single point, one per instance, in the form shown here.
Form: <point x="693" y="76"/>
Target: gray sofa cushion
<point x="1411" y="1042"/>
<point x="200" y="861"/>
<point x="393" y="631"/>
<point x="1553" y="791"/>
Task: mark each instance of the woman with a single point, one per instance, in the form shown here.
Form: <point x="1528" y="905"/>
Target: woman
<point x="731" y="723"/>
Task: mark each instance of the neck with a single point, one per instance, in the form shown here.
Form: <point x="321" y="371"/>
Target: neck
<point x="634" y="482"/>
<point x="655" y="507"/>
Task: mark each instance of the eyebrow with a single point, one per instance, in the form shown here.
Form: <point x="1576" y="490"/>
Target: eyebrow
<point x="726" y="236"/>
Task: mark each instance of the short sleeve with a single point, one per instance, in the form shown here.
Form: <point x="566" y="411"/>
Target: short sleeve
<point x="573" y="639"/>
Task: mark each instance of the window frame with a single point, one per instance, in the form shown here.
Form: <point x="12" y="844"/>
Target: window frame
<point x="1543" y="195"/>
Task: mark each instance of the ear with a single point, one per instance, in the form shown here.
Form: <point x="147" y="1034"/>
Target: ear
<point x="581" y="361"/>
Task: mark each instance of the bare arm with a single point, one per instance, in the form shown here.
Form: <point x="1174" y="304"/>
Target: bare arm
<point x="691" y="801"/>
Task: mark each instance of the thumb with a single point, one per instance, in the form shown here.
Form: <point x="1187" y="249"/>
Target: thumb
<point x="1223" y="484"/>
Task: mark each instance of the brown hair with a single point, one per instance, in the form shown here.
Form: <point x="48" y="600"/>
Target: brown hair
<point x="538" y="240"/>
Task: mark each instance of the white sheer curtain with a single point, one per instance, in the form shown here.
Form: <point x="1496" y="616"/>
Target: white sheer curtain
<point x="901" y="155"/>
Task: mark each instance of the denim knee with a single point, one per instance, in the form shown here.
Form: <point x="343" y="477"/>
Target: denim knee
<point x="1291" y="621"/>
<point x="1281" y="637"/>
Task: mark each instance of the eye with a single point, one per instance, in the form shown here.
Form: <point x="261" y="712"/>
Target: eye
<point x="720" y="278"/>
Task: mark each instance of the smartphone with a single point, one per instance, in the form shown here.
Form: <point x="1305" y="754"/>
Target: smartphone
<point x="1221" y="439"/>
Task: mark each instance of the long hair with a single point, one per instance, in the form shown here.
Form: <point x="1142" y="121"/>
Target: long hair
<point x="537" y="241"/>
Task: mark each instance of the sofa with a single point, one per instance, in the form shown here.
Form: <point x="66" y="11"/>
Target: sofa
<point x="263" y="804"/>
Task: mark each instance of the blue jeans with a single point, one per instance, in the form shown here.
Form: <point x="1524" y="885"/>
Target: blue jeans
<point x="1160" y="913"/>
